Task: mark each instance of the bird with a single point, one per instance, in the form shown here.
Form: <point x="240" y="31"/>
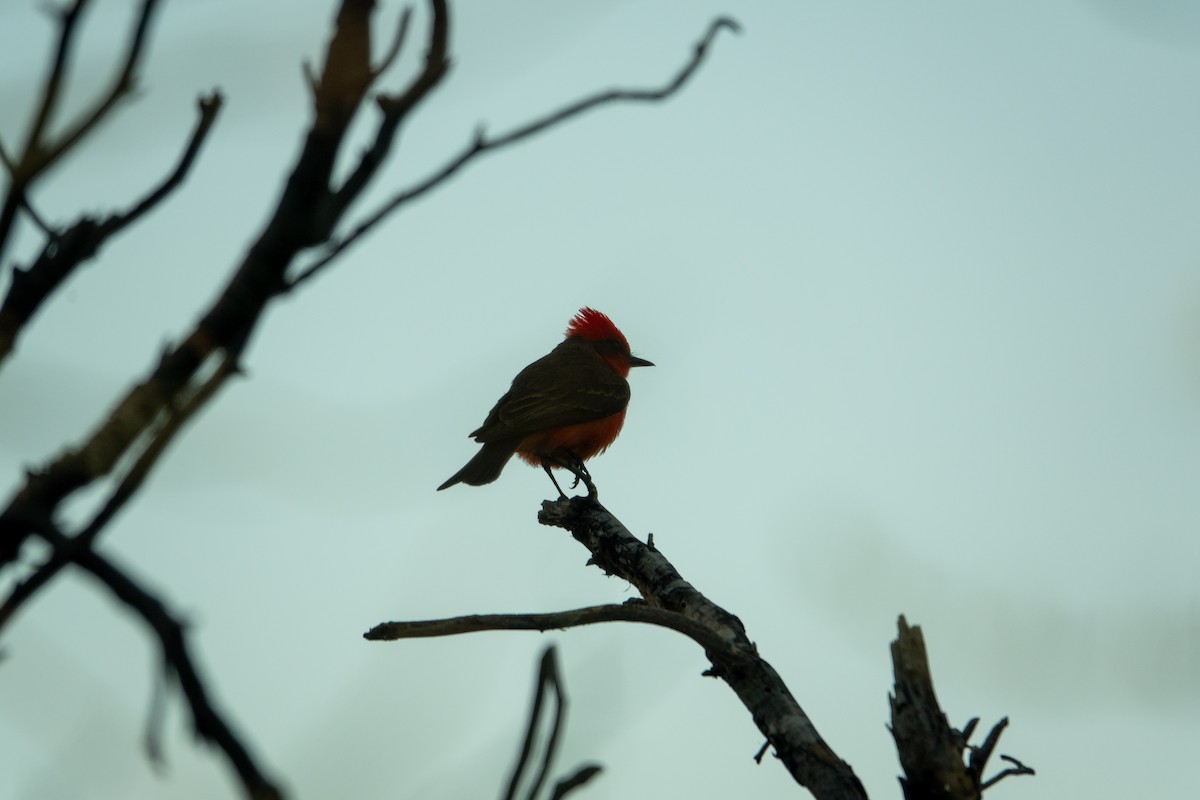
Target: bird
<point x="562" y="409"/>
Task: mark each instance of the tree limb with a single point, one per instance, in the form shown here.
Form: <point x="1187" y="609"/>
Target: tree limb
<point x="206" y="720"/>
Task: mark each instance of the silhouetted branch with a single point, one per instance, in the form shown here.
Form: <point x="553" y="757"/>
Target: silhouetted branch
<point x="208" y="723"/>
<point x="559" y="620"/>
<point x="207" y="106"/>
<point x="40" y="153"/>
<point x="65" y="251"/>
<point x="673" y="602"/>
<point x="396" y="108"/>
<point x="580" y="778"/>
<point x="397" y="43"/>
<point x="931" y="752"/>
<point x="73" y="546"/>
<point x="484" y="144"/>
<point x="1017" y="769"/>
<point x="797" y="743"/>
<point x="548" y="681"/>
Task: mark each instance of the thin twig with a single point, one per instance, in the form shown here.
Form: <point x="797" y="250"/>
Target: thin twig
<point x="483" y="144"/>
<point x="39" y="153"/>
<point x="981" y="754"/>
<point x="1017" y="769"/>
<point x="123" y="83"/>
<point x="21" y="170"/>
<point x="67" y="20"/>
<point x="395" y="109"/>
<point x="575" y="781"/>
<point x="207" y="107"/>
<point x="397" y="42"/>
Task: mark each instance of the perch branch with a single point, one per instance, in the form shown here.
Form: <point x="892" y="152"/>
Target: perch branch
<point x="735" y="659"/>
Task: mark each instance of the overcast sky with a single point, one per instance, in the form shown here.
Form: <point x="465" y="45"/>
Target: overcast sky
<point x="922" y="282"/>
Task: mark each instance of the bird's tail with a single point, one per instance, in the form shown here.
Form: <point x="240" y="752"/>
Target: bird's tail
<point x="485" y="467"/>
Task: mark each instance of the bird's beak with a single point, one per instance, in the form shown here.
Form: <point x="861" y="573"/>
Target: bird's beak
<point x="634" y="361"/>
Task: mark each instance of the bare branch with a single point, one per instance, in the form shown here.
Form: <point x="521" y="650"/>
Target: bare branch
<point x="397" y="42"/>
<point x="559" y="620"/>
<point x="67" y="20"/>
<point x="40" y="153"/>
<point x="580" y="778"/>
<point x="208" y="723"/>
<point x="208" y="106"/>
<point x="65" y="251"/>
<point x="482" y="144"/>
<point x="176" y="419"/>
<point x="931" y="752"/>
<point x="1017" y="769"/>
<point x="395" y="109"/>
<point x="20" y="169"/>
<point x="548" y="679"/>
<point x="122" y="85"/>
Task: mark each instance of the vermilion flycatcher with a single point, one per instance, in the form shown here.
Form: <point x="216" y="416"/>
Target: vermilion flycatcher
<point x="562" y="409"/>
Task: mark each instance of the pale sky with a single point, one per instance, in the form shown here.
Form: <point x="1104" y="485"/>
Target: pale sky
<point x="922" y="282"/>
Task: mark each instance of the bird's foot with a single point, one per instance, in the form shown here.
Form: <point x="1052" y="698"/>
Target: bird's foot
<point x="573" y="464"/>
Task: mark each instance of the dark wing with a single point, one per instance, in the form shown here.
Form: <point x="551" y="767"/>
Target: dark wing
<point x="571" y="385"/>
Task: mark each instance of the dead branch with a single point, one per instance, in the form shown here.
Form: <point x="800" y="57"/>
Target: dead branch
<point x="64" y="251"/>
<point x="40" y="152"/>
<point x="703" y="635"/>
<point x="931" y="752"/>
<point x="549" y="681"/>
<point x="208" y="723"/>
<point x="797" y="743"/>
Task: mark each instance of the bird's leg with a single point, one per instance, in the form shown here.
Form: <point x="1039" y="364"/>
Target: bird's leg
<point x="546" y="466"/>
<point x="575" y="464"/>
